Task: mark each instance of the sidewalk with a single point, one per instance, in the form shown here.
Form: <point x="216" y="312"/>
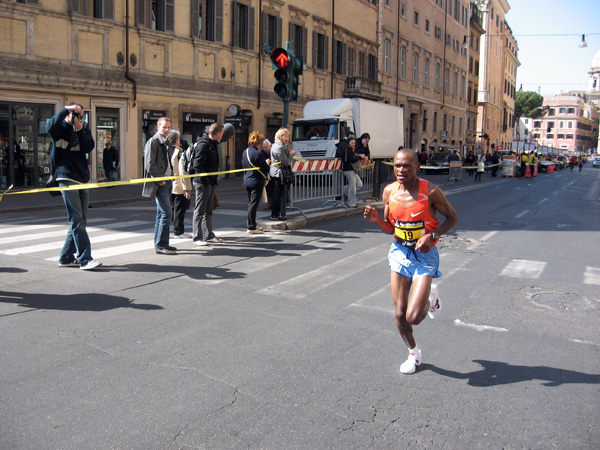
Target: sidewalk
<point x="313" y="209"/>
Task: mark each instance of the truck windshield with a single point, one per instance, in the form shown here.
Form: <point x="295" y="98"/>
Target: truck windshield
<point x="315" y="130"/>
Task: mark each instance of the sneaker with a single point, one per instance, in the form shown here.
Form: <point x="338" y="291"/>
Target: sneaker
<point x="411" y="363"/>
<point x="91" y="264"/>
<point x="165" y="251"/>
<point x="68" y="264"/>
<point x="434" y="301"/>
<point x="173" y="249"/>
<point x="255" y="231"/>
<point x="201" y="243"/>
<point x="182" y="236"/>
<point x="215" y="240"/>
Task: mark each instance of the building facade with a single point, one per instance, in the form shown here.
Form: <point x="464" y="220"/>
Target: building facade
<point x="509" y="91"/>
<point x="476" y="28"/>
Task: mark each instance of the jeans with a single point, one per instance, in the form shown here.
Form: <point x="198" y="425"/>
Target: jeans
<point x="77" y="240"/>
<point x="254" y="196"/>
<point x="203" y="212"/>
<point x="278" y="201"/>
<point x="164" y="215"/>
<point x="354" y="184"/>
<point x="112" y="175"/>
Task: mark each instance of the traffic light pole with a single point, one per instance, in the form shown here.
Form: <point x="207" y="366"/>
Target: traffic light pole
<point x="286" y="113"/>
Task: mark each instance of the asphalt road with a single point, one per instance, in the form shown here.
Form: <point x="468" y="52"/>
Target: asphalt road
<point x="287" y="340"/>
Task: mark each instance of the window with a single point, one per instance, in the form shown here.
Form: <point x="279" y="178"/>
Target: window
<point x="271" y="30"/>
<point x="435" y="121"/>
<point x="550" y="136"/>
<point x="570" y="110"/>
<point x="460" y="126"/>
<point x="562" y="110"/>
<point x="243" y="26"/>
<point x="98" y="9"/>
<point x="427" y="26"/>
<point x="477" y="67"/>
<point x="537" y="124"/>
<point x="415" y="76"/>
<point x="403" y="10"/>
<point x="403" y="62"/>
<point x="361" y="64"/>
<point x="446" y="81"/>
<point x="457" y="10"/>
<point x="416" y="18"/>
<point x="560" y="136"/>
<point x="28" y="2"/>
<point x="298" y="39"/>
<point x="438" y="73"/>
<point x="551" y="111"/>
<point x="445" y="123"/>
<point x="373" y="67"/>
<point x="320" y="50"/>
<point x="426" y="72"/>
<point x="463" y="82"/>
<point x="207" y="20"/>
<point x="569" y="136"/>
<point x="569" y="124"/>
<point x="561" y="124"/>
<point x="351" y="62"/>
<point x="438" y="33"/>
<point x="469" y="92"/>
<point x="156" y="14"/>
<point x="387" y="56"/>
<point x="424" y="120"/>
<point x="453" y="124"/>
<point x="340" y="57"/>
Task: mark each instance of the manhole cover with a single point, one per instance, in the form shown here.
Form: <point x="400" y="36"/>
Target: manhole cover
<point x="565" y="302"/>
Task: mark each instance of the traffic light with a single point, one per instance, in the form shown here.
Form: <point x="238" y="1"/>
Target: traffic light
<point x="282" y="64"/>
<point x="297" y="68"/>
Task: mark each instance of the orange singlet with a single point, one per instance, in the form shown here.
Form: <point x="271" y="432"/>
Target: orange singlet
<point x="412" y="222"/>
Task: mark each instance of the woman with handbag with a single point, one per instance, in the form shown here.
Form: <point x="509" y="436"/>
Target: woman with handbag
<point x="254" y="180"/>
<point x="281" y="164"/>
<point x="351" y="167"/>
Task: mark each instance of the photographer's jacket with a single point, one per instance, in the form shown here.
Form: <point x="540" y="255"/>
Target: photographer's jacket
<point x="69" y="148"/>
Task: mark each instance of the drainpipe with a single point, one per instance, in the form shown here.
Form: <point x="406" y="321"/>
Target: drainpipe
<point x="132" y="80"/>
<point x="260" y="53"/>
<point x="332" y="48"/>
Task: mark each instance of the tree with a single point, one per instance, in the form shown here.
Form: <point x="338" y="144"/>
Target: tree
<point x="528" y="104"/>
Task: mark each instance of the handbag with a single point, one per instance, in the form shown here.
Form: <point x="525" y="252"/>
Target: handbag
<point x="52" y="182"/>
<point x="286" y="174"/>
<point x="357" y="167"/>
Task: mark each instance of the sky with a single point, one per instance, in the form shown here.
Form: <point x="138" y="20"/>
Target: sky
<point x="552" y="64"/>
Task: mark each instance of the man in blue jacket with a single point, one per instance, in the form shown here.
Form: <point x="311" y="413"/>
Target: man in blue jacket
<point x="72" y="142"/>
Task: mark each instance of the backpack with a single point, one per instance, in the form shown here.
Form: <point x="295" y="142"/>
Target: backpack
<point x="188" y="159"/>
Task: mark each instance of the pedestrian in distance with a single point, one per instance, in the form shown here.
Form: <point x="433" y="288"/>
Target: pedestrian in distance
<point x="281" y="157"/>
<point x="110" y="161"/>
<point x="182" y="187"/>
<point x="480" y="168"/>
<point x="254" y="178"/>
<point x="410" y="212"/>
<point x="157" y="164"/>
<point x="72" y="142"/>
<point x="362" y="145"/>
<point x="206" y="160"/>
<point x="532" y="163"/>
<point x="351" y="175"/>
<point x="495" y="164"/>
<point x="266" y="152"/>
<point x="524" y="160"/>
<point x="470" y="162"/>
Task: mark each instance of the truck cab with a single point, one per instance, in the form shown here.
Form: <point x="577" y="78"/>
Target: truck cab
<point x="318" y="138"/>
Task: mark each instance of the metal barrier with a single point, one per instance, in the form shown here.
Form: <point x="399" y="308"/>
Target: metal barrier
<point x="455" y="171"/>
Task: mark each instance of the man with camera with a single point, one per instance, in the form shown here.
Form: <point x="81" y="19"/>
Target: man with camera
<point x="72" y="142"/>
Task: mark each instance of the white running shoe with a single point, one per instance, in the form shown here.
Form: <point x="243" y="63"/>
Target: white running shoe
<point x="90" y="265"/>
<point x="434" y="301"/>
<point x="410" y="365"/>
<point x="215" y="240"/>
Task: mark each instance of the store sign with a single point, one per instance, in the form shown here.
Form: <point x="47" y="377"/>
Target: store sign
<point x="238" y="122"/>
<point x="107" y="122"/>
<point x="150" y="114"/>
<point x="204" y="119"/>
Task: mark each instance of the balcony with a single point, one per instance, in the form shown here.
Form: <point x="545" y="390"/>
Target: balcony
<point x="362" y="88"/>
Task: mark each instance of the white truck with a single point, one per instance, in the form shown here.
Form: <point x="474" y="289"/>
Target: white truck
<point x="327" y="122"/>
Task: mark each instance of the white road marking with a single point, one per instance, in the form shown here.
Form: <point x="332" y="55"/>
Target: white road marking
<point x="478" y="327"/>
<point x="591" y="275"/>
<point x="523" y="268"/>
<point x="543" y="200"/>
<point x="521" y="214"/>
<point x="487" y="236"/>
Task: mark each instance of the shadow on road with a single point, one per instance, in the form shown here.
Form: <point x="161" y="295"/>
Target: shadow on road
<point x="75" y="302"/>
<point x="496" y="373"/>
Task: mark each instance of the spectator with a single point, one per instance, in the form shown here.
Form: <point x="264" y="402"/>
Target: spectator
<point x="182" y="187"/>
<point x="280" y="154"/>
<point x="362" y="146"/>
<point x="254" y="180"/>
<point x="72" y="142"/>
<point x="157" y="164"/>
<point x="110" y="161"/>
<point x="266" y="152"/>
<point x="352" y="177"/>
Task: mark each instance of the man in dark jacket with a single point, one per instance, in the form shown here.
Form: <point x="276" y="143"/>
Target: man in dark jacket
<point x="206" y="160"/>
<point x="110" y="161"/>
<point x="72" y="142"/>
<point x="157" y="164"/>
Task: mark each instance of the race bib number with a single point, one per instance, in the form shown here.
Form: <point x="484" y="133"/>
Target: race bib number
<point x="408" y="233"/>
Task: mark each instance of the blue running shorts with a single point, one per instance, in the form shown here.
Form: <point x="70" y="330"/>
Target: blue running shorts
<point x="413" y="263"/>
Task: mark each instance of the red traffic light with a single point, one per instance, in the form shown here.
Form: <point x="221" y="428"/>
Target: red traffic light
<point x="280" y="58"/>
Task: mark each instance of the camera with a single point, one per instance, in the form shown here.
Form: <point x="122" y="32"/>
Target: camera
<point x="78" y="116"/>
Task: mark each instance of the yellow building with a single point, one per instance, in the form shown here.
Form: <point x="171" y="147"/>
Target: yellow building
<point x="511" y="63"/>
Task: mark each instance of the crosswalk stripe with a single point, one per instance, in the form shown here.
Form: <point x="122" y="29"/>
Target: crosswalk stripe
<point x="24" y="228"/>
<point x="310" y="282"/>
<point x="591" y="275"/>
<point x="63" y="231"/>
<point x="104" y="253"/>
<point x="522" y="268"/>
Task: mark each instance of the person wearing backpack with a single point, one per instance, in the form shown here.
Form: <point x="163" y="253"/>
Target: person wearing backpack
<point x="206" y="160"/>
<point x="182" y="187"/>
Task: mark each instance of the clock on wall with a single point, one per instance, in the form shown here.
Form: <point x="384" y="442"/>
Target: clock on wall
<point x="234" y="110"/>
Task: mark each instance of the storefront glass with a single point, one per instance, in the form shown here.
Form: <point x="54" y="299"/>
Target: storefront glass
<point x="107" y="130"/>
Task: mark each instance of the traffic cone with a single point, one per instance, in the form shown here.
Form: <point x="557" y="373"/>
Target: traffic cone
<point x="527" y="171"/>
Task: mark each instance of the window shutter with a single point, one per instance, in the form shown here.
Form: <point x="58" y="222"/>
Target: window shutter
<point x="75" y="6"/>
<point x="304" y="43"/>
<point x="326" y="54"/>
<point x="314" y="52"/>
<point x="279" y="32"/>
<point x="291" y="34"/>
<point x="170" y="16"/>
<point x="218" y="20"/>
<point x="108" y="12"/>
<point x="140" y="14"/>
<point x="251" y="27"/>
<point x="264" y="23"/>
<point x="194" y="17"/>
<point x="235" y="29"/>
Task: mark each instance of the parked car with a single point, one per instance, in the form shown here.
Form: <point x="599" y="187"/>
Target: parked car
<point x="596" y="161"/>
<point x="438" y="159"/>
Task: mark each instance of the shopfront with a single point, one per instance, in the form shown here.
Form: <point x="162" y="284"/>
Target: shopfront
<point x="107" y="130"/>
<point x="194" y="125"/>
<point x="25" y="144"/>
